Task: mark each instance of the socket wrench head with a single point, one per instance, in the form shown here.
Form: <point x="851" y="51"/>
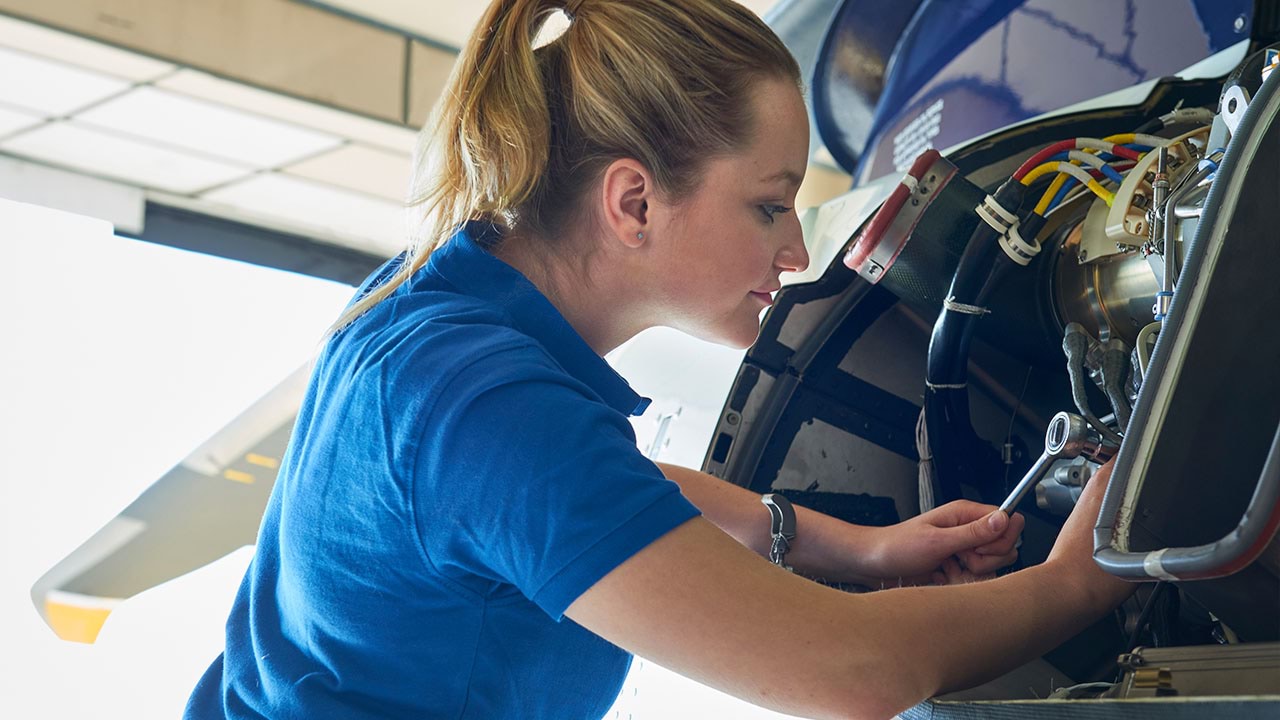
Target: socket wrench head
<point x="1070" y="436"/>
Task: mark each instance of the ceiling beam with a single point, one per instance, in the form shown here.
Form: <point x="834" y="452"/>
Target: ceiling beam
<point x="287" y="47"/>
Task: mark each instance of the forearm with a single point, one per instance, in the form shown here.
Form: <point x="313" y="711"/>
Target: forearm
<point x="958" y="636"/>
<point x="824" y="547"/>
<point x="844" y="655"/>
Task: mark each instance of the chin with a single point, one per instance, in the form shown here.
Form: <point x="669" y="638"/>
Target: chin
<point x="737" y="330"/>
<point x="739" y="338"/>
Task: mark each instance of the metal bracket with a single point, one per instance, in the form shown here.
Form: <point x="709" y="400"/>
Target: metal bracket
<point x="1234" y="102"/>
<point x="782" y="527"/>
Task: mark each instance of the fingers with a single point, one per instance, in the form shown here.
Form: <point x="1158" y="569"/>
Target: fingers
<point x="953" y="573"/>
<point x="1008" y="540"/>
<point x="1091" y="498"/>
<point x="959" y="512"/>
<point x="986" y="564"/>
<point x="985" y="530"/>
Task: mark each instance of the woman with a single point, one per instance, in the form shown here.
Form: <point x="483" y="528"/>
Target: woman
<point x="463" y="526"/>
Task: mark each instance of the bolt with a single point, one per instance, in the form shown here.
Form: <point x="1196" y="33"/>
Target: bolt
<point x="1238" y="25"/>
<point x="732" y="418"/>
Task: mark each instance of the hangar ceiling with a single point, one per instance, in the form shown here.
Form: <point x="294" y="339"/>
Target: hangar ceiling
<point x="445" y="21"/>
<point x="297" y="117"/>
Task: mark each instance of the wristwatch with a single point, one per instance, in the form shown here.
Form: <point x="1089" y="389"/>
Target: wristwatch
<point x="782" y="527"/>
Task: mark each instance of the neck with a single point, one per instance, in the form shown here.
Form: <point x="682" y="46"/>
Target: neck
<point x="596" y="303"/>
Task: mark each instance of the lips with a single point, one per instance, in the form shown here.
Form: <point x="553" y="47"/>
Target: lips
<point x="764" y="297"/>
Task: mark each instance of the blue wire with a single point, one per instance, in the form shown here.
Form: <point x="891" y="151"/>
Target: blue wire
<point x="1109" y="172"/>
<point x="1112" y="174"/>
<point x="1062" y="194"/>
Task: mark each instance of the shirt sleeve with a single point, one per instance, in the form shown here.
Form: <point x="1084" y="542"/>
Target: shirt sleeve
<point x="525" y="477"/>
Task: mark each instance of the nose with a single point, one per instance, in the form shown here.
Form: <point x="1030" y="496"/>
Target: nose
<point x="793" y="256"/>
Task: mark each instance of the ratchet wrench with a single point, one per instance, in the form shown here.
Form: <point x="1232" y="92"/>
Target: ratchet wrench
<point x="1069" y="436"/>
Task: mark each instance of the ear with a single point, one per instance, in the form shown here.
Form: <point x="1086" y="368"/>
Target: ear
<point x="627" y="191"/>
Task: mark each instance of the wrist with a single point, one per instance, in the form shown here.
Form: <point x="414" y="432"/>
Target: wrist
<point x="833" y="550"/>
<point x="862" y="555"/>
<point x="1097" y="590"/>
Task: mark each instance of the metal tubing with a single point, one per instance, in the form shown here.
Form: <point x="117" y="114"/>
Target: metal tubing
<point x="1261" y="519"/>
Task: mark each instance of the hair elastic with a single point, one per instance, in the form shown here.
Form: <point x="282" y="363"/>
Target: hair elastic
<point x="570" y="9"/>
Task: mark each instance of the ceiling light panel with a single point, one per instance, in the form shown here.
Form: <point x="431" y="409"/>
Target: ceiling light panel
<point x="68" y="48"/>
<point x="357" y="167"/>
<point x="109" y="155"/>
<point x="12" y="121"/>
<point x="374" y="132"/>
<point x="347" y="218"/>
<point x="203" y="127"/>
<point x="51" y="87"/>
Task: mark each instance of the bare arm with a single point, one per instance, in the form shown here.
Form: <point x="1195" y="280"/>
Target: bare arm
<point x="701" y="604"/>
<point x="831" y="548"/>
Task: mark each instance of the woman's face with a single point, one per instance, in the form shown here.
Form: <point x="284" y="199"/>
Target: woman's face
<point x="726" y="243"/>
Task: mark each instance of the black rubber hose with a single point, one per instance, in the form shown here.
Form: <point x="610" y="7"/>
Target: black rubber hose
<point x="1145" y="616"/>
<point x="1149" y="127"/>
<point x="958" y="452"/>
<point x="1075" y="344"/>
<point x="1115" y="370"/>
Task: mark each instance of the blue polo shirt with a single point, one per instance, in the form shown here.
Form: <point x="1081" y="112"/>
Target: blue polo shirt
<point x="462" y="469"/>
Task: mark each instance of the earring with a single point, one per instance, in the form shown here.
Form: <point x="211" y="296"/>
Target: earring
<point x="639" y="236"/>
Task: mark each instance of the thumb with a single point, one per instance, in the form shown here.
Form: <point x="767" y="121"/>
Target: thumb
<point x="981" y="531"/>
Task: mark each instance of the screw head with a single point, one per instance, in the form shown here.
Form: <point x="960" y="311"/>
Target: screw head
<point x="1238" y="25"/>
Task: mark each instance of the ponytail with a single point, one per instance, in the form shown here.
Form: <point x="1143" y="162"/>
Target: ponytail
<point x="520" y="133"/>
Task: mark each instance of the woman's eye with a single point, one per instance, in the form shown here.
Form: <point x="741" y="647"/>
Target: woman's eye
<point x="769" y="211"/>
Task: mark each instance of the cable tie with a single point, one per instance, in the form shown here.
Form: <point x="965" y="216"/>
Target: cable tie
<point x="1018" y="249"/>
<point x="910" y="182"/>
<point x="991" y="220"/>
<point x="951" y="304"/>
<point x="994" y="205"/>
<point x="945" y="386"/>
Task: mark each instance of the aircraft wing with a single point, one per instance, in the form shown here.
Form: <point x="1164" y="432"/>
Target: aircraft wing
<point x="206" y="507"/>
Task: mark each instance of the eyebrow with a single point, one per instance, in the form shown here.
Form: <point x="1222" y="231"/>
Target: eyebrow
<point x="790" y="176"/>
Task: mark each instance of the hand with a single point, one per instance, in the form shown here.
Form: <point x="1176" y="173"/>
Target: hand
<point x="961" y="541"/>
<point x="1073" y="551"/>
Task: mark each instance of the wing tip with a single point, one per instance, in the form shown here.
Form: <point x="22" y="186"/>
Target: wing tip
<point x="74" y="617"/>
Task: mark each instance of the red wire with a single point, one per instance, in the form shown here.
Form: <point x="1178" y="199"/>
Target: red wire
<point x="1097" y="174"/>
<point x="1042" y="156"/>
<point x="1064" y="145"/>
<point x="1124" y="152"/>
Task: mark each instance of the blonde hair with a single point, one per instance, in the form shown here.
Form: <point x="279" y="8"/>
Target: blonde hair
<point x="519" y="133"/>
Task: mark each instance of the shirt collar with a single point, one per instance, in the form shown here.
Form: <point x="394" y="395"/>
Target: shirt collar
<point x="465" y="263"/>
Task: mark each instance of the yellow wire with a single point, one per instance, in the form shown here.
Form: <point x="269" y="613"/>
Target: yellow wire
<point x="1058" y="182"/>
<point x="1107" y="196"/>
<point x="1039" y="171"/>
<point x="1049" y="193"/>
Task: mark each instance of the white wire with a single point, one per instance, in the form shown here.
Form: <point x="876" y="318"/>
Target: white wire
<point x="1076" y="172"/>
<point x="926" y="470"/>
<point x="1086" y="158"/>
<point x="1149" y="140"/>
